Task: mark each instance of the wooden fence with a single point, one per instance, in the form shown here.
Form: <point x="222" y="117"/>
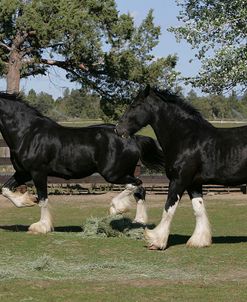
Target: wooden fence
<point x="95" y="183"/>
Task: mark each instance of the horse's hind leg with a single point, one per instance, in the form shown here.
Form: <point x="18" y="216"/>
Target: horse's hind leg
<point x="202" y="234"/>
<point x="18" y="196"/>
<point x="44" y="225"/>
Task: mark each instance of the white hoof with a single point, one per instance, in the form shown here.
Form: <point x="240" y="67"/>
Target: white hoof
<point x="45" y="225"/>
<point x="201" y="236"/>
<point x="40" y="227"/>
<point x="154" y="242"/>
<point x="204" y="240"/>
<point x="19" y="199"/>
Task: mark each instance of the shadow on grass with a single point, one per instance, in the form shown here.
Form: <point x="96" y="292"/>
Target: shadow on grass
<point x="126" y="223"/>
<point x="174" y="239"/>
<point x="24" y="228"/>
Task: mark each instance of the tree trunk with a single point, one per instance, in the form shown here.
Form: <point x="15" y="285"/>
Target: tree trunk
<point x="14" y="74"/>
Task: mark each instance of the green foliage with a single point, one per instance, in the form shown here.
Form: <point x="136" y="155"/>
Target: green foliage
<point x="43" y="101"/>
<point x="220" y="107"/>
<point x="83" y="105"/>
<point x="217" y="30"/>
<point x="79" y="104"/>
<point x="75" y="104"/>
<point x="97" y="46"/>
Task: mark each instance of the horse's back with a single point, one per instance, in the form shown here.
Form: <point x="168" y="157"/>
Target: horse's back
<point x="100" y="145"/>
<point x="236" y="134"/>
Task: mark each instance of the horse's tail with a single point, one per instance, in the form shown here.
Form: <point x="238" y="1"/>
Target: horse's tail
<point x="151" y="154"/>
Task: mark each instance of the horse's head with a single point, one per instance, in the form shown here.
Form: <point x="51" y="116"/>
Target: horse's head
<point x="137" y="115"/>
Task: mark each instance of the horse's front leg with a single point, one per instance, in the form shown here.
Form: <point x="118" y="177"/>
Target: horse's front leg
<point x="44" y="225"/>
<point x="202" y="234"/>
<point x="141" y="209"/>
<point x="122" y="203"/>
<point x="158" y="237"/>
<point x="19" y="196"/>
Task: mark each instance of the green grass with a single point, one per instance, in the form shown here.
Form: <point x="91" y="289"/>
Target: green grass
<point x="65" y="266"/>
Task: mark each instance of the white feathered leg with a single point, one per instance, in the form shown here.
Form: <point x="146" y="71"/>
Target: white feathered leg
<point x="202" y="234"/>
<point x="122" y="203"/>
<point x="158" y="237"/>
<point x="19" y="199"/>
<point x="44" y="225"/>
<point x="141" y="208"/>
<point x="141" y="212"/>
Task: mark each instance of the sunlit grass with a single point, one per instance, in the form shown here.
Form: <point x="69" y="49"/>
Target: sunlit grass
<point x="43" y="267"/>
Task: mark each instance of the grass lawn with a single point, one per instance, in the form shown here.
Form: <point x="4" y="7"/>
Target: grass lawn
<point x="65" y="266"/>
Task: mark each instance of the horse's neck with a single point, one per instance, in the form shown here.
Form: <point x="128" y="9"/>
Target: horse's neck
<point x="170" y="126"/>
<point x="11" y="127"/>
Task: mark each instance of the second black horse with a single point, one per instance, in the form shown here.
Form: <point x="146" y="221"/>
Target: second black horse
<point x="39" y="147"/>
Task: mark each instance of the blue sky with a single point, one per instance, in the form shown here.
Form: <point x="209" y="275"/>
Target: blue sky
<point x="165" y="13"/>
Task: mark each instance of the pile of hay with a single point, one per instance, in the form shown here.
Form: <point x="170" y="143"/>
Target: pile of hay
<point x="112" y="226"/>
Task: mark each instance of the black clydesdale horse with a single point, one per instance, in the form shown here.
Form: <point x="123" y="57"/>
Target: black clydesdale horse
<point x="196" y="153"/>
<point x="39" y="147"/>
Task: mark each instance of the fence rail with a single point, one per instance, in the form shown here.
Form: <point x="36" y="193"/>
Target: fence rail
<point x="96" y="183"/>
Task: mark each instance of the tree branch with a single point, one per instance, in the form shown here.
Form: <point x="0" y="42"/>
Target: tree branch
<point x="4" y="46"/>
<point x="22" y="36"/>
<point x="62" y="64"/>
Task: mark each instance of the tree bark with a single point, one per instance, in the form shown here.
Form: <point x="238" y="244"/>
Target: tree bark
<point x="14" y="72"/>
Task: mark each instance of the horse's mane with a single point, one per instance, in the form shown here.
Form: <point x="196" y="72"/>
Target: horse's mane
<point x="20" y="102"/>
<point x="169" y="97"/>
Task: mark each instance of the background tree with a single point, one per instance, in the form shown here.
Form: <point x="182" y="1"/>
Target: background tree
<point x="44" y="102"/>
<point x="79" y="104"/>
<point x="89" y="39"/>
<point x="218" y="30"/>
<point x="200" y="103"/>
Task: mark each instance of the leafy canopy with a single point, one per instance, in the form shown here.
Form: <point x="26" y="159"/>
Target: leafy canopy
<point x="217" y="29"/>
<point x="96" y="45"/>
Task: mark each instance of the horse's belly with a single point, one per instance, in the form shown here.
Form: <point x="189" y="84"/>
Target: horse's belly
<point x="73" y="169"/>
<point x="225" y="175"/>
